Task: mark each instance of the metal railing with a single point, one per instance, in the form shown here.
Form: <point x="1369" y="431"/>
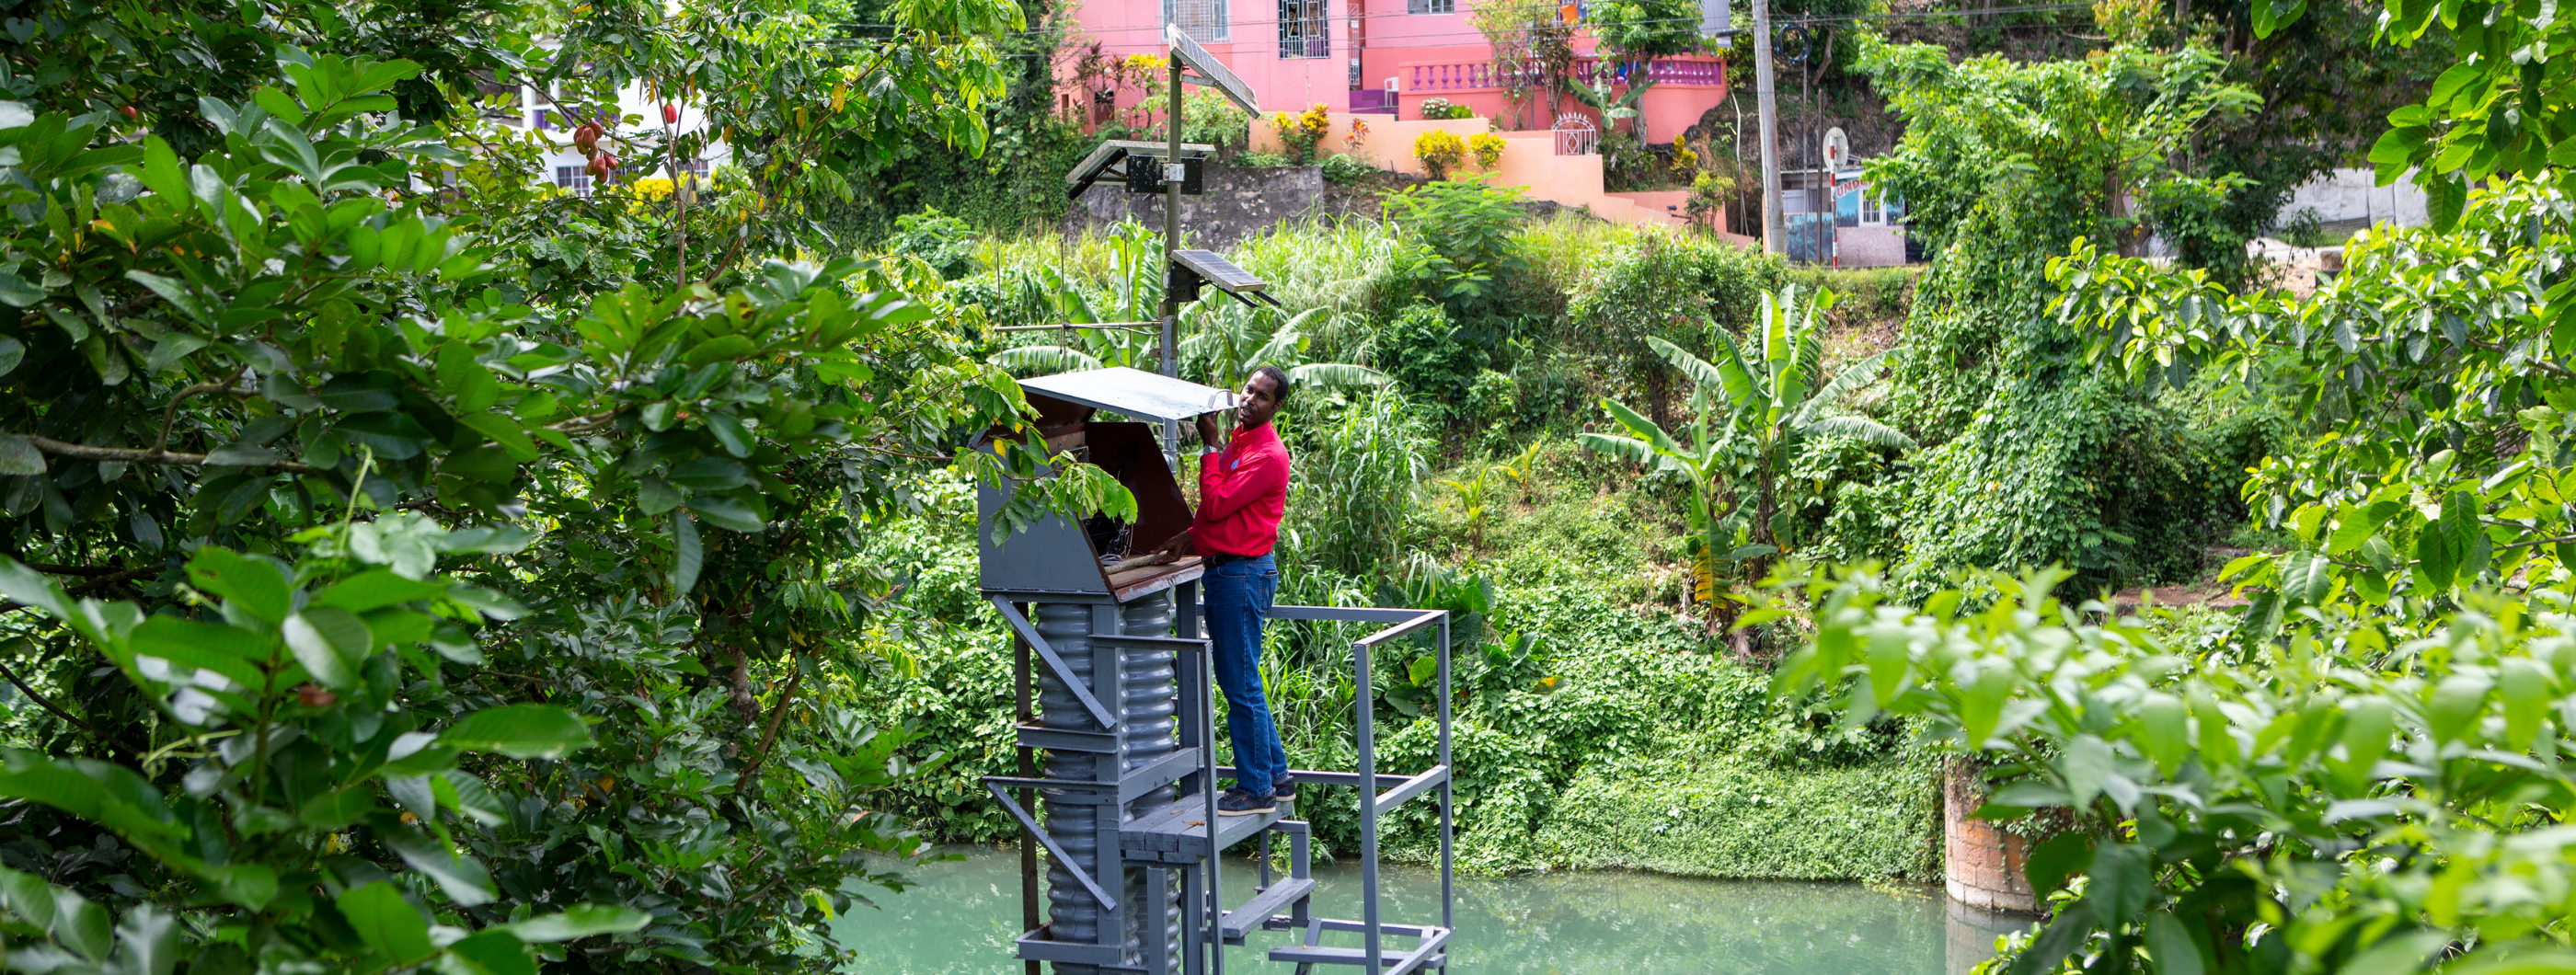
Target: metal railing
<point x="1194" y="846"/>
<point x="1460" y="76"/>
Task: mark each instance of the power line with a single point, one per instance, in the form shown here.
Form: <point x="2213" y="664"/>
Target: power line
<point x="1848" y="18"/>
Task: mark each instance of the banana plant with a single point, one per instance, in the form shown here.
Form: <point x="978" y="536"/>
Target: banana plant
<point x="1228" y="343"/>
<point x="1750" y="411"/>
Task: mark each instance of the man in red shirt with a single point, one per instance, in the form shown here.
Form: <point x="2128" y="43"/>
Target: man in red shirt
<point x="1243" y="491"/>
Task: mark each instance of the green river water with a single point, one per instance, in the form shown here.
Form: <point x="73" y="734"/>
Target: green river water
<point x="963" y="916"/>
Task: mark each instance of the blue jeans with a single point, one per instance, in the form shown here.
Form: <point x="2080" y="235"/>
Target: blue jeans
<point x="1238" y="602"/>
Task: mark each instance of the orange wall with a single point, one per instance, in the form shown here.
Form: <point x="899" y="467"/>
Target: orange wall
<point x="1529" y="160"/>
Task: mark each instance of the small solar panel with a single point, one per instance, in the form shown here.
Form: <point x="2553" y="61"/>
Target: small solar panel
<point x="1215" y="74"/>
<point x="1219" y="271"/>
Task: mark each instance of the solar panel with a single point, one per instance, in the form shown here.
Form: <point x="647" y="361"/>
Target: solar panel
<point x="1218" y="271"/>
<point x="1114" y="153"/>
<point x="1196" y="58"/>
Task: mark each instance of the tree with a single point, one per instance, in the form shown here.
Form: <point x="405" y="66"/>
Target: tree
<point x="1750" y="410"/>
<point x="266" y="387"/>
<point x="2086" y="147"/>
<point x="1636" y="32"/>
<point x="1533" y="48"/>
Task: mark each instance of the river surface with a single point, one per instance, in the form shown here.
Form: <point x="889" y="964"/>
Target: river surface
<point x="961" y="919"/>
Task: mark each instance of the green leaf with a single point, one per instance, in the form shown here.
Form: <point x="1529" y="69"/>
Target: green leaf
<point x="82" y="926"/>
<point x="580" y="921"/>
<point x="2164" y="732"/>
<point x="2057" y="941"/>
<point x="727" y="513"/>
<point x="375" y="589"/>
<point x="2086" y="764"/>
<point x="688" y="557"/>
<point x="520" y="731"/>
<point x="20" y="458"/>
<point x="495" y="952"/>
<point x="503" y="431"/>
<point x="2397" y="954"/>
<point x="653" y="495"/>
<point x="727" y="429"/>
<point x="338" y="808"/>
<point x="12" y="352"/>
<point x="2122" y="874"/>
<point x="147" y="941"/>
<point x="387" y="922"/>
<point x="251" y="585"/>
<point x="462" y="878"/>
<point x="28" y="898"/>
<point x="328" y="640"/>
<point x="2172" y="947"/>
<point x="250" y="885"/>
<point x="2057" y="858"/>
<point x="2307" y="577"/>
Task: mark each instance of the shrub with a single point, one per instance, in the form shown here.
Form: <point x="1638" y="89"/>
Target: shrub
<point x="1300" y="132"/>
<point x="1488" y="148"/>
<point x="1667" y="288"/>
<point x="944" y="242"/>
<point x="1434" y="109"/>
<point x="1440" y="151"/>
<point x="1431" y="357"/>
<point x="1347" y="169"/>
<point x="1470" y="230"/>
<point x="1262" y="160"/>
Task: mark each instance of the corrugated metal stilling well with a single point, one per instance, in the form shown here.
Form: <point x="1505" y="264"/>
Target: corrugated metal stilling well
<point x="1147" y="701"/>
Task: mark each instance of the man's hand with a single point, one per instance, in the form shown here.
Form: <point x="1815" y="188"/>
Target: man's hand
<point x="1209" y="428"/>
<point x="1174" y="549"/>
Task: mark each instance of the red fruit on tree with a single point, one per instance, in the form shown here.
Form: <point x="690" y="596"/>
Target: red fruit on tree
<point x="130" y="112"/>
<point x="670" y="114"/>
<point x="586" y="138"/>
<point x="598" y="167"/>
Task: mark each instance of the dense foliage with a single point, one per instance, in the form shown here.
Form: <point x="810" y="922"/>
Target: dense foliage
<point x="279" y="354"/>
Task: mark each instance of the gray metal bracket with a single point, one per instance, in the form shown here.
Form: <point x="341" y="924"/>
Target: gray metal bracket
<point x="1099" y="713"/>
<point x="995" y="785"/>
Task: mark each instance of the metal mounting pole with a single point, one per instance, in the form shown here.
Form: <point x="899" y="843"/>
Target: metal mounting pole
<point x="1172" y="245"/>
<point x="1774" y="239"/>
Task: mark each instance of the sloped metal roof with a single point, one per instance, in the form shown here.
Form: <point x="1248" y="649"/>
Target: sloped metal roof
<point x="1134" y="392"/>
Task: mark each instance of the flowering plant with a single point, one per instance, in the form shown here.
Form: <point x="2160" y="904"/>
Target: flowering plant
<point x="1488" y="148"/>
<point x="1440" y="151"/>
<point x="1300" y="132"/>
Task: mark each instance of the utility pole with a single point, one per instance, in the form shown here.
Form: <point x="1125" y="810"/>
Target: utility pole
<point x="1774" y="239"/>
<point x="1172" y="174"/>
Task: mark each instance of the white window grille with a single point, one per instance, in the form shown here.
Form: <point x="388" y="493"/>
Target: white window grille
<point x="1431" y="6"/>
<point x="575" y="179"/>
<point x="1302" y="30"/>
<point x="1203" y="20"/>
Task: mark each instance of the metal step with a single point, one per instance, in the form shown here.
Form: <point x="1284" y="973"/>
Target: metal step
<point x="1419" y="959"/>
<point x="1176" y="832"/>
<point x="1263" y="906"/>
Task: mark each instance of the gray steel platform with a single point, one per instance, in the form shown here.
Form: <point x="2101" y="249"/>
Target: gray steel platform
<point x="1176" y="832"/>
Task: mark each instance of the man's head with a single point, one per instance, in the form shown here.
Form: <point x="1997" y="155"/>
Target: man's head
<point x="1263" y="393"/>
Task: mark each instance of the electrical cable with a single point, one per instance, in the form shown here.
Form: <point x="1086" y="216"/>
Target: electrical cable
<point x="1776" y="22"/>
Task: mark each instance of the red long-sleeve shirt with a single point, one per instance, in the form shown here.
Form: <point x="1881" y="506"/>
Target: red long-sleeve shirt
<point x="1243" y="492"/>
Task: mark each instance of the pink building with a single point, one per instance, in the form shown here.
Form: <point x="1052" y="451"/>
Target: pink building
<point x="1368" y="56"/>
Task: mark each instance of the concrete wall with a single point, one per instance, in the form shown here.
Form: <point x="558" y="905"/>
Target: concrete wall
<point x="2354" y="194"/>
<point x="1239" y="203"/>
<point x="1529" y="160"/>
<point x="1982" y="864"/>
<point x="1869" y="246"/>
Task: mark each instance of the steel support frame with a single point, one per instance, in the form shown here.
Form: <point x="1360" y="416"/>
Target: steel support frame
<point x="1203" y="927"/>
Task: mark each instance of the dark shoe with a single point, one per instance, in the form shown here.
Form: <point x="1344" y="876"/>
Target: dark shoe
<point x="1237" y="802"/>
<point x="1284" y="790"/>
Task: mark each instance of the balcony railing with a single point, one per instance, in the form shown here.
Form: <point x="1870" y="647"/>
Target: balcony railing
<point x="1463" y="76"/>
